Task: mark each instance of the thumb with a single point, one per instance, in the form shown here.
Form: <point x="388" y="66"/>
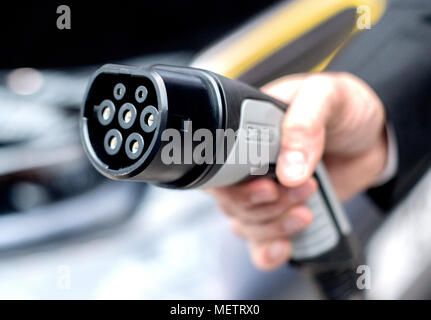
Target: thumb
<point x="285" y="88"/>
<point x="303" y="128"/>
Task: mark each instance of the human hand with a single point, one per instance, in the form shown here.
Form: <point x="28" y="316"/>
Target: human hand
<point x="334" y="116"/>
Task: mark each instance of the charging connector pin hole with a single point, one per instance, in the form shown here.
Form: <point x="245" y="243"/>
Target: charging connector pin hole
<point x="113" y="142"/>
<point x="135" y="146"/>
<point x="150" y="120"/>
<point x="119" y="91"/>
<point x="127" y="116"/>
<point x="106" y="113"/>
<point x="141" y="94"/>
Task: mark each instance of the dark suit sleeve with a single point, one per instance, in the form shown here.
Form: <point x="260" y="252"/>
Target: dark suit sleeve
<point x="394" y="58"/>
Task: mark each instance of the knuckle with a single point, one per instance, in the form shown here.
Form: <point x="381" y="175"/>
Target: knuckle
<point x="226" y="208"/>
<point x="217" y="193"/>
<point x="236" y="227"/>
<point x="344" y="76"/>
<point x="279" y="229"/>
<point x="258" y="259"/>
<point x="303" y="138"/>
<point x="295" y="131"/>
<point x="264" y="215"/>
<point x="319" y="82"/>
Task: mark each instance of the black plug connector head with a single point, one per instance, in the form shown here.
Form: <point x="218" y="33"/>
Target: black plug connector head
<point x="126" y="110"/>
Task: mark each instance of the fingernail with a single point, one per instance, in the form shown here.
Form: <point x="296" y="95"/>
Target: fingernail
<point x="301" y="193"/>
<point x="292" y="225"/>
<point x="277" y="250"/>
<point x="294" y="165"/>
<point x="262" y="197"/>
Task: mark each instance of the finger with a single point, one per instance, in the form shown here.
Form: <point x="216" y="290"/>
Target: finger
<point x="270" y="255"/>
<point x="347" y="173"/>
<point x="303" y="129"/>
<point x="270" y="211"/>
<point x="285" y="88"/>
<point x="291" y="222"/>
<point x="289" y="197"/>
<point x="250" y="193"/>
